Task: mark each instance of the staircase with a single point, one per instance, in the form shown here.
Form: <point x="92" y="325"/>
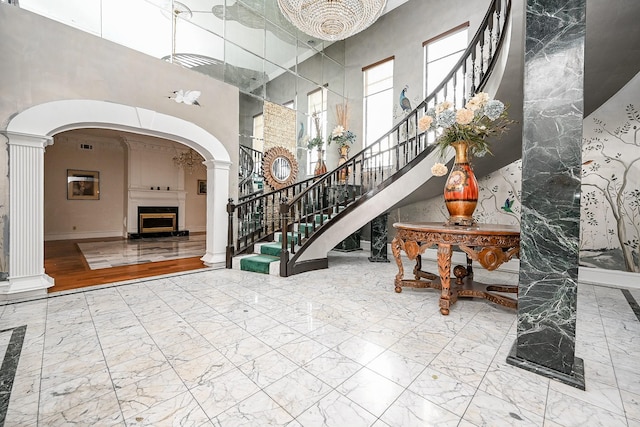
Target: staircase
<point x="318" y="213"/>
<point x="266" y="256"/>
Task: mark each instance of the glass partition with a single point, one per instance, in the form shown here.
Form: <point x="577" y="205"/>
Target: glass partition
<point x="246" y="43"/>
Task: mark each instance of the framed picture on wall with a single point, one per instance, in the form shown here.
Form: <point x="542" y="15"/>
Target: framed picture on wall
<point x="83" y="185"/>
<point x="202" y="186"/>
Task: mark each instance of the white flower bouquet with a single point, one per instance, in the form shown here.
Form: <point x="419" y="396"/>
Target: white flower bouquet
<point x="480" y="118"/>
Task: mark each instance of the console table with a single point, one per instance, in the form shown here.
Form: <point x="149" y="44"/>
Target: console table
<point x="489" y="244"/>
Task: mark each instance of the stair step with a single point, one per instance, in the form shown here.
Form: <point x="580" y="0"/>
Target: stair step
<point x="308" y="227"/>
<point x="316" y="219"/>
<point x="257" y="263"/>
<point x="273" y="249"/>
<point x="269" y="253"/>
<point x="290" y="235"/>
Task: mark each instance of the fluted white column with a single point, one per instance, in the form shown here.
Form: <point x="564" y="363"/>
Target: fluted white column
<point x="26" y="214"/>
<point x="217" y="196"/>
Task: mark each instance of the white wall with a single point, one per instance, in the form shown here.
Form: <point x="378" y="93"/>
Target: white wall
<point x="196" y="215"/>
<point x="65" y="218"/>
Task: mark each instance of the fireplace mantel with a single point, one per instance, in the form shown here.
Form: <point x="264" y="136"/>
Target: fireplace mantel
<point x="144" y="197"/>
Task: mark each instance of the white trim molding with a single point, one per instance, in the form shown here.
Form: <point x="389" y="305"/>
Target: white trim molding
<point x="217" y="217"/>
<point x="611" y="278"/>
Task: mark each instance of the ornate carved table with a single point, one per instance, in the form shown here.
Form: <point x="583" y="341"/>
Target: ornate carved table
<point x="489" y="244"/>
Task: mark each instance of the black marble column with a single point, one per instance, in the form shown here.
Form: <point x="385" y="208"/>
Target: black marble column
<point x="551" y="164"/>
<point x="379" y="238"/>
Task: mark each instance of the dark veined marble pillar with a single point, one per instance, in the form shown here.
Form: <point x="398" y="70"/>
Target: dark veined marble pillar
<point x="379" y="238"/>
<point x="551" y="165"/>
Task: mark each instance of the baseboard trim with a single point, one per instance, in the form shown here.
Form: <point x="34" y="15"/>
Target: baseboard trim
<point x="611" y="278"/>
<point x="83" y="235"/>
<point x="587" y="275"/>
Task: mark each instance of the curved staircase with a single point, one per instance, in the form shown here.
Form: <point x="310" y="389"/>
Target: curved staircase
<point x="318" y="213"/>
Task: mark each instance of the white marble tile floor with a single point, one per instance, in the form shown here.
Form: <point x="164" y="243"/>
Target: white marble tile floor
<point x="335" y="347"/>
<point x="115" y="253"/>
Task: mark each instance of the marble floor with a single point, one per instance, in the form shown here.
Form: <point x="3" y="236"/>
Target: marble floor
<point x="115" y="253"/>
<point x="336" y="347"/>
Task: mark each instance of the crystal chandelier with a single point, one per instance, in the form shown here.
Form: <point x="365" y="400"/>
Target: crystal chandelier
<point x="189" y="160"/>
<point x="331" y="19"/>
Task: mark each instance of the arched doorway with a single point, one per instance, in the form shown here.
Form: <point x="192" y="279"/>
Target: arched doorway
<point x="31" y="131"/>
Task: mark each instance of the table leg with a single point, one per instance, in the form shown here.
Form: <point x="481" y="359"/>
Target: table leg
<point x="395" y="250"/>
<point x="444" y="269"/>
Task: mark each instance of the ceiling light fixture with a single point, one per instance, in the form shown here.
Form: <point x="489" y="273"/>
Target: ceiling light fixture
<point x="331" y="19"/>
<point x="189" y="160"/>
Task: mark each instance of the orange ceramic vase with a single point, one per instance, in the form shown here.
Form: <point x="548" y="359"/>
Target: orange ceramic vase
<point x="344" y="173"/>
<point x="321" y="167"/>
<point x="461" y="189"/>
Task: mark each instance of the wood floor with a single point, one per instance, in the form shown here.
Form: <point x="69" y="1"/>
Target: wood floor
<point x="64" y="262"/>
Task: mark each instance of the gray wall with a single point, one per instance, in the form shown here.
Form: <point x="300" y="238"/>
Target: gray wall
<point x="43" y="61"/>
<point x="400" y="33"/>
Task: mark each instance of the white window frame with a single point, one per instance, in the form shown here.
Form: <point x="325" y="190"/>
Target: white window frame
<point x="377" y="86"/>
<point x="453" y="54"/>
<point x="257" y="142"/>
<point x="316" y="103"/>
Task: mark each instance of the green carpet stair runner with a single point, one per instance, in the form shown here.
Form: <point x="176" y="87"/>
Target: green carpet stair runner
<point x="270" y="252"/>
<point x="258" y="263"/>
<point x="273" y="249"/>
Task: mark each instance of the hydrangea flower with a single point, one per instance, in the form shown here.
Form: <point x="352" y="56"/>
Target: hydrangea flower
<point x="446" y="118"/>
<point x="493" y="109"/>
<point x="439" y="169"/>
<point x="480" y="118"/>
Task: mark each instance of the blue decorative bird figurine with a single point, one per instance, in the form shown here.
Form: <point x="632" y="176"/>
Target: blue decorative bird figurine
<point x="507" y="205"/>
<point x="301" y="132"/>
<point x="404" y="101"/>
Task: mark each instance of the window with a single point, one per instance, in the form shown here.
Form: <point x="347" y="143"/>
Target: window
<point x="378" y="107"/>
<point x="258" y="133"/>
<point x="316" y="104"/>
<point x="440" y="54"/>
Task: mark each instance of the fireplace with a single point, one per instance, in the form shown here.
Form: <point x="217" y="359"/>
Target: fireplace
<point x="157" y="219"/>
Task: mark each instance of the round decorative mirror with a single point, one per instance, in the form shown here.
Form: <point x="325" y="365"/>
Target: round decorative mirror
<point x="279" y="167"/>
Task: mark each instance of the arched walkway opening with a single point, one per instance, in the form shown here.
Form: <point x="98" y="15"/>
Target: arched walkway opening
<point x="31" y="131"/>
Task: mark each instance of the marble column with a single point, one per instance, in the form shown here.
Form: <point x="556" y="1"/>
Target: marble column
<point x="379" y="238"/>
<point x="551" y="164"/>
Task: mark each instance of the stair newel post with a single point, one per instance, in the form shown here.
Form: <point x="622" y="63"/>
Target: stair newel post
<point x="284" y="227"/>
<point x="231" y="207"/>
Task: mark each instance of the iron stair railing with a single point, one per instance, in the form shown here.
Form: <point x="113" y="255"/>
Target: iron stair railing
<point x="249" y="167"/>
<point x="305" y="208"/>
<point x="256" y="218"/>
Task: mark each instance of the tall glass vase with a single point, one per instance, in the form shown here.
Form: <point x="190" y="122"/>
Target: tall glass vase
<point x="321" y="167"/>
<point x="461" y="188"/>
